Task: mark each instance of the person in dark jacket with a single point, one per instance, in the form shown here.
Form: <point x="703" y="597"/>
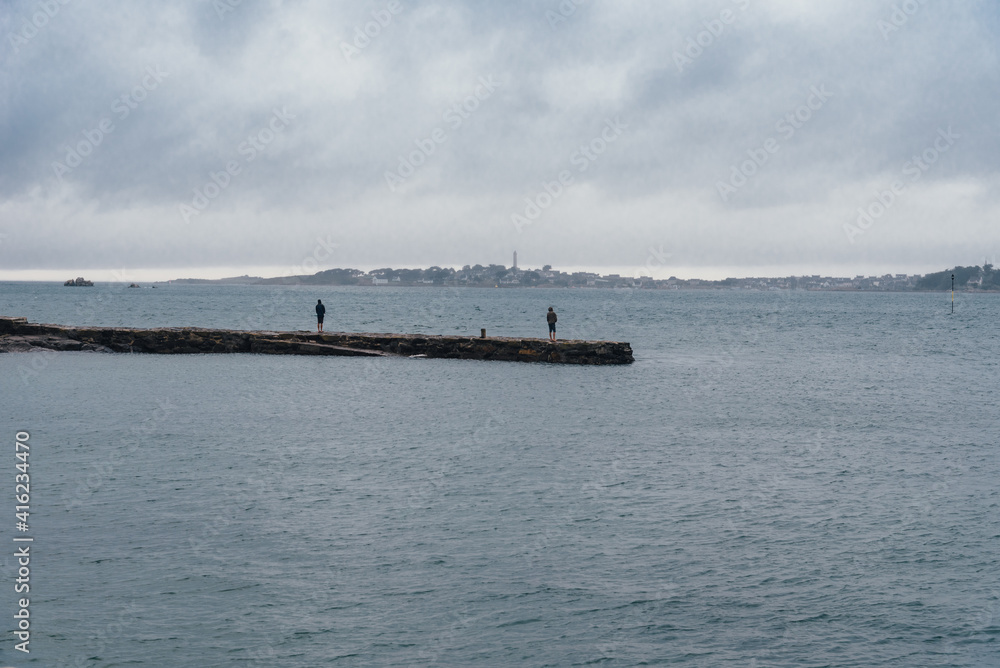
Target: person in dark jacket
<point x="551" y="317"/>
<point x="320" y="312"/>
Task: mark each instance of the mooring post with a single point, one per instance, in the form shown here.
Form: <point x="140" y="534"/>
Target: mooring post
<point x="482" y="333"/>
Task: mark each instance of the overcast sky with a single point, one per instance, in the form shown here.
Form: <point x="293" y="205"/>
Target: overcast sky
<point x="700" y="138"/>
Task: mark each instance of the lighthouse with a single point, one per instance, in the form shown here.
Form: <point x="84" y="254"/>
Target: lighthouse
<point x="515" y="260"/>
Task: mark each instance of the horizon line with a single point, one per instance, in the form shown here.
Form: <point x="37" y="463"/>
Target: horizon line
<point x="663" y="272"/>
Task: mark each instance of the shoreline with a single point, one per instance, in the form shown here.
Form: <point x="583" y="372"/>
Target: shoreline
<point x="708" y="287"/>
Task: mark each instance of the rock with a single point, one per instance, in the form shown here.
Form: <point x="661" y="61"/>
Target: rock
<point x="29" y="343"/>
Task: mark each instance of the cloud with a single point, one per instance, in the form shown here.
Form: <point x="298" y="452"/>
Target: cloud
<point x="701" y="86"/>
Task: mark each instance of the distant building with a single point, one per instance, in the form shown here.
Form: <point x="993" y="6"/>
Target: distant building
<point x="515" y="260"/>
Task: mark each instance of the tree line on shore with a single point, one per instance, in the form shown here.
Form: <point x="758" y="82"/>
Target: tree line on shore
<point x="495" y="275"/>
<point x="974" y="278"/>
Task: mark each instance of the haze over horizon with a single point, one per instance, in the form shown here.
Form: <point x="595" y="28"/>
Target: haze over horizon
<point x="157" y="275"/>
<point x="717" y="139"/>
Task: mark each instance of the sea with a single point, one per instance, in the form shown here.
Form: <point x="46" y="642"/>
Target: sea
<point x="782" y="478"/>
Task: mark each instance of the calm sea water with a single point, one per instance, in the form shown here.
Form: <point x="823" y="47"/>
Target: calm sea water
<point x="781" y="479"/>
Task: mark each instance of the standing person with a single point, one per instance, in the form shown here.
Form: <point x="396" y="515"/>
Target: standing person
<point x="551" y="317"/>
<point x="320" y="312"/>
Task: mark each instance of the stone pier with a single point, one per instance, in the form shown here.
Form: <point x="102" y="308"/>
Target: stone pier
<point x="19" y="335"/>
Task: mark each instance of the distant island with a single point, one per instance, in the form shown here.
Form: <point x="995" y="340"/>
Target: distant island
<point x="984" y="279"/>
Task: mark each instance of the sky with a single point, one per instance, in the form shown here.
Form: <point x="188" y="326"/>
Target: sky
<point x="701" y="138"/>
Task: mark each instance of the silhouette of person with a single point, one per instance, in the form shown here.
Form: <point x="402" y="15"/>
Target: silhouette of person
<point x="551" y="317"/>
<point x="320" y="312"/>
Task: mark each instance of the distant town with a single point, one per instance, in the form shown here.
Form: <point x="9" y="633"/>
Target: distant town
<point x="495" y="275"/>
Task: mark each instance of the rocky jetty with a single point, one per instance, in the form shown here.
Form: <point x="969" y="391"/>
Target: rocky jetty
<point x="19" y="335"/>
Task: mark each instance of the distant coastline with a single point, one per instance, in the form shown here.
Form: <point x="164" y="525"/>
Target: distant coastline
<point x="978" y="279"/>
